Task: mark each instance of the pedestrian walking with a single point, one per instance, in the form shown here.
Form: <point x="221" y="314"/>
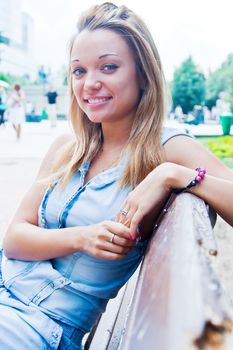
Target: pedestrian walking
<point x="52" y="106"/>
<point x="16" y="110"/>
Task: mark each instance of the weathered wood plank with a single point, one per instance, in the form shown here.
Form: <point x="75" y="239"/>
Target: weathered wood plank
<point x="179" y="303"/>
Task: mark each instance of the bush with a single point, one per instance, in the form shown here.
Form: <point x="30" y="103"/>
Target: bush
<point x="222" y="147"/>
<point x="11" y="79"/>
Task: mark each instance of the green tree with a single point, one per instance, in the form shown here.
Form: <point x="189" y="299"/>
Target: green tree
<point x="11" y="79"/>
<point x="220" y="80"/>
<point x="231" y="93"/>
<point x="188" y="86"/>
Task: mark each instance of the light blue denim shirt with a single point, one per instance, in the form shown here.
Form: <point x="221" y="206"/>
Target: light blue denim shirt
<point x="72" y="290"/>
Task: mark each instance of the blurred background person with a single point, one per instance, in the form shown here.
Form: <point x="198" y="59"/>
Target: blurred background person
<point x="178" y="112"/>
<point x="16" y="110"/>
<point x="207" y="114"/>
<point x="52" y="106"/>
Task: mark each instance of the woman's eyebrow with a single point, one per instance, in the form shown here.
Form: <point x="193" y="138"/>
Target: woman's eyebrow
<point x="101" y="56"/>
<point x="108" y="54"/>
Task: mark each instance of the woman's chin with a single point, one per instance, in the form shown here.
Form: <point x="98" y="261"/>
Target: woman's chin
<point x="98" y="119"/>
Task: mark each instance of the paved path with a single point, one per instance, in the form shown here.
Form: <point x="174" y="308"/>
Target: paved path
<point x="199" y="130"/>
<point x="35" y="140"/>
<point x="19" y="162"/>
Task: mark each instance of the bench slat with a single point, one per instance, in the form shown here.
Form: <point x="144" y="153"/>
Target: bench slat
<point x="179" y="301"/>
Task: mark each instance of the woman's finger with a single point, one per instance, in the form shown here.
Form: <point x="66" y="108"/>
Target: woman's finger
<point x="104" y="254"/>
<point x="123" y="213"/>
<point x="126" y="219"/>
<point x="120" y="241"/>
<point x="114" y="248"/>
<point x="116" y="228"/>
<point x="135" y="222"/>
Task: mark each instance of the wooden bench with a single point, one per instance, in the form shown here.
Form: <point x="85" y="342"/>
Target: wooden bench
<point x="174" y="301"/>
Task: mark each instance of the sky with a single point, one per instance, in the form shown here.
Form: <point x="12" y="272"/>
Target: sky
<point x="180" y="28"/>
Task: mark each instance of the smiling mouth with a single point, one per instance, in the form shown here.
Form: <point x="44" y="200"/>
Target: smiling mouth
<point x="97" y="100"/>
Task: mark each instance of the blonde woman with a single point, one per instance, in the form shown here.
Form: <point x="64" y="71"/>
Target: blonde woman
<point x="16" y="110"/>
<point x="72" y="244"/>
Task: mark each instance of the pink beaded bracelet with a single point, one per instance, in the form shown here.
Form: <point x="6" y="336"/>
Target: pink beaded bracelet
<point x="200" y="176"/>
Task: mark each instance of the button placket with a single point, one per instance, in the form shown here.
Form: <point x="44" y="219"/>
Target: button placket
<point x="69" y="203"/>
<point x="44" y="205"/>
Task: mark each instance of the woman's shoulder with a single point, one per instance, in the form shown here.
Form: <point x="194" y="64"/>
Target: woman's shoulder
<point x="63" y="139"/>
<point x="60" y="143"/>
<point x="170" y="132"/>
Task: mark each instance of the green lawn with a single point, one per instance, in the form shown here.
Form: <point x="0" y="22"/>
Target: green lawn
<point x="219" y="144"/>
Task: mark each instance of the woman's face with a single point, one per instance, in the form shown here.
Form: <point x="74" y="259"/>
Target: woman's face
<point x="104" y="77"/>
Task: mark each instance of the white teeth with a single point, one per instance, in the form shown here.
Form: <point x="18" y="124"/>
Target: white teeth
<point x="97" y="100"/>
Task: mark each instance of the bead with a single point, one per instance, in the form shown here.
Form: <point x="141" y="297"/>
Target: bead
<point x="202" y="170"/>
<point x="201" y="174"/>
<point x="198" y="178"/>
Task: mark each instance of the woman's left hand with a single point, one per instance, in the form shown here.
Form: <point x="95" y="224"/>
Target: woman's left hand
<point x="148" y="196"/>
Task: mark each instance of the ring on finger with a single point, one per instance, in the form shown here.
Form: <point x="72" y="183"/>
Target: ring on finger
<point x="112" y="238"/>
<point x="123" y="212"/>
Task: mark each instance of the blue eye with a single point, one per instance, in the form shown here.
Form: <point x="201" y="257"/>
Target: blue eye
<point x="109" y="67"/>
<point x="78" y="72"/>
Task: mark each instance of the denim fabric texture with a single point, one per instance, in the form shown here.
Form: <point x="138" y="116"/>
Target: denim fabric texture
<point x="47" y="303"/>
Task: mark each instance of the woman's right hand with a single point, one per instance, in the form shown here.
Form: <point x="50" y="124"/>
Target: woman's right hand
<point x="107" y="240"/>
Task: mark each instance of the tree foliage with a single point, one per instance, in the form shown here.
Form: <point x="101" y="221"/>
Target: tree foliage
<point x="11" y="79"/>
<point x="188" y="85"/>
<point x="231" y="92"/>
<point x="220" y="80"/>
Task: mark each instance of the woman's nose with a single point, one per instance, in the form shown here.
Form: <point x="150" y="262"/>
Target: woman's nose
<point x="92" y="84"/>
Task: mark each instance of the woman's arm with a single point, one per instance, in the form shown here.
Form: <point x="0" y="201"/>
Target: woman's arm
<point x="183" y="156"/>
<point x="23" y="233"/>
<point x="24" y="240"/>
<point x="216" y="188"/>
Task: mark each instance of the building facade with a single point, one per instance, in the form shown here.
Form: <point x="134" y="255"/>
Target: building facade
<point x="16" y="40"/>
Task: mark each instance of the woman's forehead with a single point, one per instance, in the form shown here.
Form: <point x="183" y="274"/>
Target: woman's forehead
<point x="101" y="42"/>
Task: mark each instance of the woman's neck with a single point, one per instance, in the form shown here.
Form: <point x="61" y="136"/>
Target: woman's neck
<point x="115" y="136"/>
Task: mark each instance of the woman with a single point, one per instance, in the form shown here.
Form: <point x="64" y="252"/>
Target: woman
<point x="15" y="110"/>
<point x="60" y="267"/>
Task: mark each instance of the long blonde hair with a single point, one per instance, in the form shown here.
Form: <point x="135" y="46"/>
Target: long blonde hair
<point x="144" y="144"/>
